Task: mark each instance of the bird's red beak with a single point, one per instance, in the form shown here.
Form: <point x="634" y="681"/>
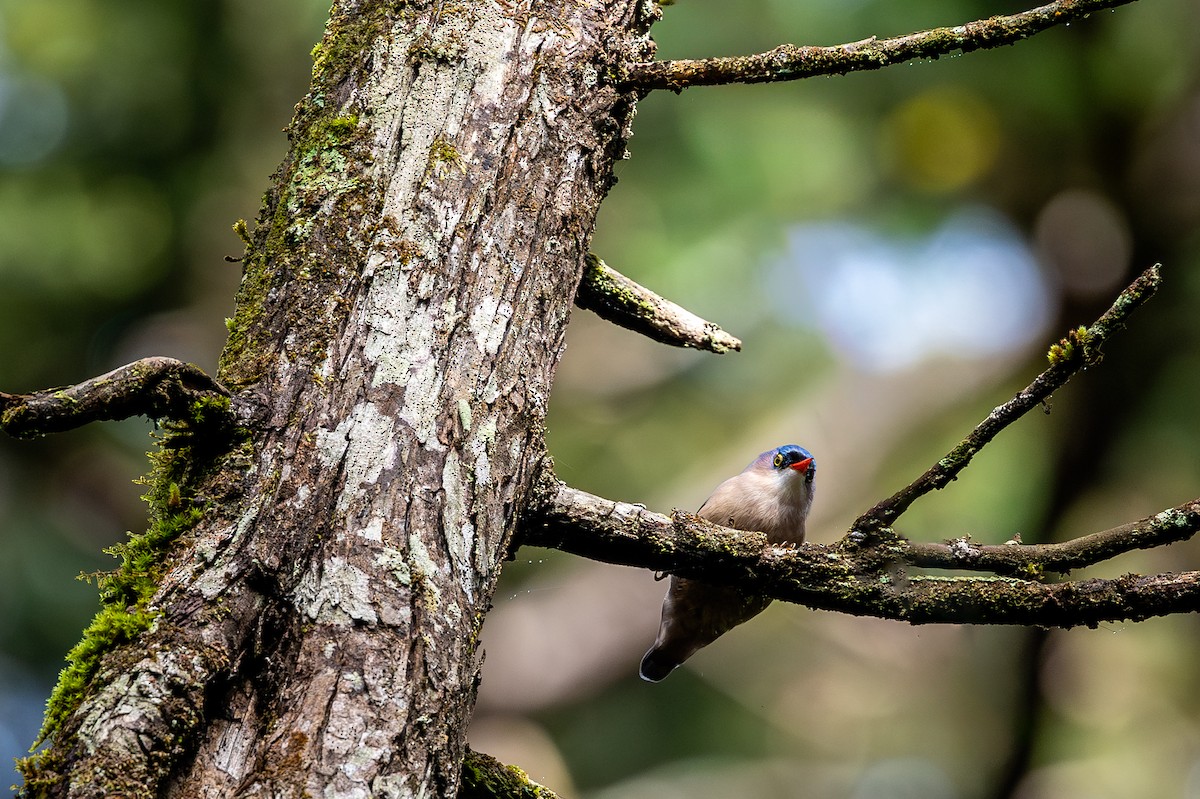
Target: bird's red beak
<point x="803" y="465"/>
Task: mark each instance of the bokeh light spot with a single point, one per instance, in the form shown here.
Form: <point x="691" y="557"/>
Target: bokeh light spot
<point x="1086" y="240"/>
<point x="971" y="288"/>
<point x="942" y="139"/>
<point x="33" y="118"/>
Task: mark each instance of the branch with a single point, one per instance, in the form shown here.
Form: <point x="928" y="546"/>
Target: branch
<point x="865" y="581"/>
<point x="617" y="299"/>
<point x="1167" y="527"/>
<point x="1079" y="350"/>
<point x="160" y="388"/>
<point x="485" y="777"/>
<point x="792" y="62"/>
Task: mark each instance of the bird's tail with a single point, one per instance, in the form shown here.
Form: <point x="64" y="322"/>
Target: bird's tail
<point x="662" y="659"/>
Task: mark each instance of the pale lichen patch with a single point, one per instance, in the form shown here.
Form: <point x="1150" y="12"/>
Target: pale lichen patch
<point x="391" y="600"/>
<point x="422" y="404"/>
<point x="332" y="444"/>
<point x="396" y="331"/>
<point x="456" y="526"/>
<point x="393" y="328"/>
<point x="464" y="414"/>
<point x="395" y="562"/>
<point x="481" y="446"/>
<point x="491" y="390"/>
<point x="362" y="762"/>
<point x="373" y="531"/>
<point x="362" y="445"/>
<point x="494" y="63"/>
<point x="422" y="566"/>
<point x="1172" y="517"/>
<point x="489" y="322"/>
<point x="337" y="593"/>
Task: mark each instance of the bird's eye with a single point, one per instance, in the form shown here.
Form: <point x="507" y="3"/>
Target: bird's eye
<point x="778" y="460"/>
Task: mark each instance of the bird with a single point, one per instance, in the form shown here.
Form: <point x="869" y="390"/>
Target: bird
<point x="772" y="495"/>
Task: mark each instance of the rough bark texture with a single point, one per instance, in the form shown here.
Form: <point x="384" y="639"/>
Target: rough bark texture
<point x="401" y="314"/>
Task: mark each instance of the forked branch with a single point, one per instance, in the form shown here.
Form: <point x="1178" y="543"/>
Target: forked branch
<point x="792" y="62"/>
<point x="1080" y="349"/>
<point x="874" y="580"/>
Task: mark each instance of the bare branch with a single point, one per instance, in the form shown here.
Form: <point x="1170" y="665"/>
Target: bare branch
<point x="161" y="388"/>
<point x="792" y="62"/>
<point x="1167" y="527"/>
<point x="870" y="580"/>
<point x="1079" y="350"/>
<point x="617" y="299"/>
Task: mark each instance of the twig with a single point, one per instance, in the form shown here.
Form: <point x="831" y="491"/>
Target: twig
<point x="1079" y="350"/>
<point x="1171" y="525"/>
<point x="614" y="297"/>
<point x="867" y="581"/>
<point x="792" y="62"/>
<point x="161" y="388"/>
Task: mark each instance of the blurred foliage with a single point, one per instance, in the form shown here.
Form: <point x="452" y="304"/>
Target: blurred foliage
<point x="133" y="133"/>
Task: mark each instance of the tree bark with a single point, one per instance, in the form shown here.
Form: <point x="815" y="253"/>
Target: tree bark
<point x="402" y="310"/>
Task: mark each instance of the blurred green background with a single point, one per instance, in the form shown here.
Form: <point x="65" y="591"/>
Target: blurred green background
<point x="896" y="249"/>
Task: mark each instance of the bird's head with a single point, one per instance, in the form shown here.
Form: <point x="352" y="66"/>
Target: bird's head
<point x="786" y="460"/>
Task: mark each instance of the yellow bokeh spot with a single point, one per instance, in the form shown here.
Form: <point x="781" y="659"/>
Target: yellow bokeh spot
<point x="942" y="139"/>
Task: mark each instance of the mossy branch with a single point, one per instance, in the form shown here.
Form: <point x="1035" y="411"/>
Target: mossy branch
<point x="1080" y="349"/>
<point x="792" y="62"/>
<point x="160" y="388"/>
<point x="485" y="777"/>
<point x="873" y="579"/>
<point x="617" y="299"/>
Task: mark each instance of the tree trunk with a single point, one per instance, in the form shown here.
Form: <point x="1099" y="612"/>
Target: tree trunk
<point x="401" y="314"/>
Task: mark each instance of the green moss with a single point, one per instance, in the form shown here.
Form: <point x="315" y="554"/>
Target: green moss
<point x="186" y="452"/>
<point x="1032" y="571"/>
<point x="348" y="39"/>
<point x="125" y="593"/>
<point x="208" y="411"/>
<point x="485" y="777"/>
<point x="443" y="154"/>
<point x="1077" y="342"/>
<point x="599" y="288"/>
<point x="111" y="626"/>
<point x="242" y="231"/>
<point x="959" y="457"/>
<point x="343" y="126"/>
<point x="318" y="173"/>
